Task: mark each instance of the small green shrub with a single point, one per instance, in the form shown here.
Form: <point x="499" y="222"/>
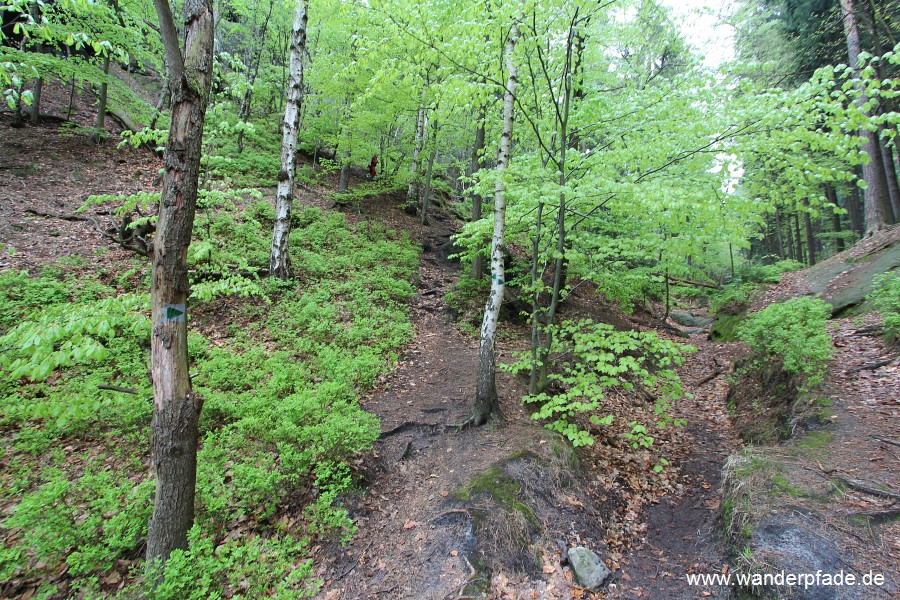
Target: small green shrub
<point x="756" y="273"/>
<point x="732" y="295"/>
<point x="467" y="296"/>
<point x="793" y="334"/>
<point x="594" y="357"/>
<point x="886" y="298"/>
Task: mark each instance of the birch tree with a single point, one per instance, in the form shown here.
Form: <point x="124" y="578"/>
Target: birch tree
<point x="176" y="409"/>
<point x="279" y="259"/>
<point x="487" y="404"/>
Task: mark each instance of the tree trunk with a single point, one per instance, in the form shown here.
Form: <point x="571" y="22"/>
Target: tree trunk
<point x="426" y="197"/>
<point x="797" y="239"/>
<point x="856" y="213"/>
<point x="344" y="180"/>
<point x="887" y="161"/>
<point x="412" y="192"/>
<point x="36" y="101"/>
<point x="279" y="256"/>
<point x="560" y="264"/>
<point x="877" y="198"/>
<point x="100" y="125"/>
<point x="487" y="404"/>
<point x="244" y="112"/>
<point x="477" y="149"/>
<point x="810" y="240"/>
<point x="790" y="240"/>
<point x="176" y="409"/>
<point x="778" y="239"/>
<point x="831" y="194"/>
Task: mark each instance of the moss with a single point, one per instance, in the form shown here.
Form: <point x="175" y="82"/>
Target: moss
<point x="725" y="326"/>
<point x="815" y="440"/>
<point x="503" y="489"/>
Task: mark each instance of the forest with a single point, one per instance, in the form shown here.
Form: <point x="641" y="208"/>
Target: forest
<point x="449" y="299"/>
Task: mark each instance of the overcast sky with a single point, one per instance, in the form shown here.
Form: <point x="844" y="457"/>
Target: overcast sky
<point x="702" y="29"/>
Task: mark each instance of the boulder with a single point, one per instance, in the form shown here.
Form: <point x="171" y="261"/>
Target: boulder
<point x="688" y="320"/>
<point x="589" y="569"/>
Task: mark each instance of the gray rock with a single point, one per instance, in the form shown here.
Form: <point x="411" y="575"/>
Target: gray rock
<point x="688" y="320"/>
<point x="589" y="569"/>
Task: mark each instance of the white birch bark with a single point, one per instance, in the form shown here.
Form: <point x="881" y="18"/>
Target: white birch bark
<point x="487" y="405"/>
<point x="412" y="193"/>
<point x="279" y="260"/>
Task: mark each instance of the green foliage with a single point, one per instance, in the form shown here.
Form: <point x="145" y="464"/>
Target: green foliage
<point x="273" y="566"/>
<point x="467" y="296"/>
<point x="886" y="298"/>
<point x="281" y="412"/>
<point x="793" y="334"/>
<point x="757" y="273"/>
<point x="737" y="294"/>
<point x="592" y="357"/>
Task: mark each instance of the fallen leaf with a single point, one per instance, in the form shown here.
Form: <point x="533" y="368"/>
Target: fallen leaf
<point x="409" y="524"/>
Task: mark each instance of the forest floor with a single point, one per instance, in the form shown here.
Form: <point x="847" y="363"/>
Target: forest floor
<point x="419" y="535"/>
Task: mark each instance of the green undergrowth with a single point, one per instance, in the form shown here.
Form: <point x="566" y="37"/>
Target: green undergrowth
<point x="280" y="429"/>
<point x="886" y="298"/>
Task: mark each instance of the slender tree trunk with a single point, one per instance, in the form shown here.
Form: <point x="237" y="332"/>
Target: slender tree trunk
<point x="344" y="180"/>
<point x="810" y="240"/>
<point x="877" y="198"/>
<point x="800" y="256"/>
<point x="412" y="192"/>
<point x="161" y="102"/>
<point x="477" y="149"/>
<point x="100" y="125"/>
<point x="560" y="263"/>
<point x="279" y="257"/>
<point x="856" y="214"/>
<point x="487" y="404"/>
<point x="36" y="101"/>
<point x="426" y="197"/>
<point x="790" y="240"/>
<point x="536" y="275"/>
<point x="176" y="409"/>
<point x="831" y="194"/>
<point x="778" y="239"/>
<point x="244" y="112"/>
<point x="887" y="160"/>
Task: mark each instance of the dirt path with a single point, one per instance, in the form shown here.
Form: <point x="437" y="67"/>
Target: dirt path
<point x="416" y="540"/>
<point x="683" y="528"/>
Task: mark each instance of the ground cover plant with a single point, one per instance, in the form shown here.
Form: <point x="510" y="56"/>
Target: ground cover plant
<point x="279" y="430"/>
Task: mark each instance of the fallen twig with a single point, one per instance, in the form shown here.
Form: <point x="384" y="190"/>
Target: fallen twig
<point x="356" y="564"/>
<point x="887" y="441"/>
<point x="116" y="388"/>
<point x="864" y="487"/>
<point x="872" y="366"/>
<point x="709" y="377"/>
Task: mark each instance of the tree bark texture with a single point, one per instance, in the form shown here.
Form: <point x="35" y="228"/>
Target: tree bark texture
<point x="477" y="149"/>
<point x="279" y="257"/>
<point x="810" y="240"/>
<point x="831" y="194"/>
<point x="876" y="198"/>
<point x="100" y="125"/>
<point x="779" y="240"/>
<point x="176" y="410"/>
<point x="426" y="196"/>
<point x="487" y="404"/>
<point x="36" y="101"/>
<point x="412" y="192"/>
